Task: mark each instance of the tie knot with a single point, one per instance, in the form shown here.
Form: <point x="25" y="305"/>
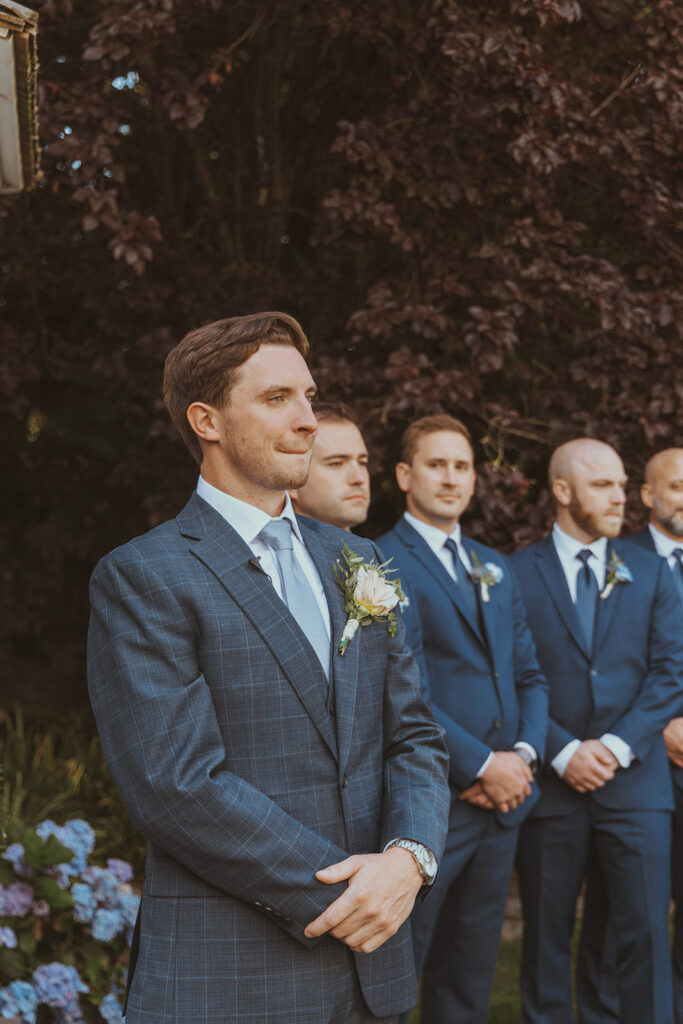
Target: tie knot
<point x="452" y="546"/>
<point x="278" y="534"/>
<point x="678" y="555"/>
<point x="583" y="556"/>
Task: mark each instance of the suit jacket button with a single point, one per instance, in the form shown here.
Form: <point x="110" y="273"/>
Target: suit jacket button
<point x="594" y="671"/>
<point x="345" y="782"/>
<point x="498" y="724"/>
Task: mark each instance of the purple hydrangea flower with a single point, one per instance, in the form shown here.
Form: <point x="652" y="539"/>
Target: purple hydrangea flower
<point x="58" y="986"/>
<point x="40" y="908"/>
<point x="106" y="925"/>
<point x="19" y="1000"/>
<point x="121" y="869"/>
<point x="16" y="899"/>
<point x="8" y="938"/>
<point x="110" y="1008"/>
<point x="129" y="905"/>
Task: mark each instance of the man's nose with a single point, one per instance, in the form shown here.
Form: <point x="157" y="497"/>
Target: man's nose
<point x="305" y="420"/>
<point x="358" y="473"/>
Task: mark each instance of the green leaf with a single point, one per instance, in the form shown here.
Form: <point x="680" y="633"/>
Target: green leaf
<point x="47" y="889"/>
<point x="39" y="853"/>
<point x="12" y="964"/>
<point x="7" y="873"/>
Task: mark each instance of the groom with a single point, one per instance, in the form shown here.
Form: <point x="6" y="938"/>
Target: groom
<point x="294" y="801"/>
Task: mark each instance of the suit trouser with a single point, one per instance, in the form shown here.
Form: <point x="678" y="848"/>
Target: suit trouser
<point x="596" y="979"/>
<point x="456" y="931"/>
<point x="632" y="849"/>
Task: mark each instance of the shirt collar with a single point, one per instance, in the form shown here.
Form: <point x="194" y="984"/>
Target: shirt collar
<point x="568" y="547"/>
<point x="435" y="537"/>
<point x="664" y="545"/>
<point x="247" y="520"/>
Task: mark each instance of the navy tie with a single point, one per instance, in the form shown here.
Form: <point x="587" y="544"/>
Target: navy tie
<point x="586" y="597"/>
<point x="297" y="592"/>
<point x="465" y="584"/>
<point x="678" y="571"/>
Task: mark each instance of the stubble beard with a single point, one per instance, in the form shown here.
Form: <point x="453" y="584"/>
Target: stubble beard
<point x="670" y="523"/>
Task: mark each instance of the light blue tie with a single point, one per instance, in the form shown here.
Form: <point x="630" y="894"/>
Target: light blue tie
<point x="586" y="597"/>
<point x="297" y="592"/>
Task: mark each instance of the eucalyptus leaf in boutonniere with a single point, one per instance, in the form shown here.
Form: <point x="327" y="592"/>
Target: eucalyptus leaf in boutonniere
<point x="368" y="595"/>
<point x="486" y="575"/>
<point x="617" y="572"/>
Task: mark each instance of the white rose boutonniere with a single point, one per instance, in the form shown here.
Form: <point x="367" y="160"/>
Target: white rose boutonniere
<point x="369" y="595"/>
<point x="487" y="576"/>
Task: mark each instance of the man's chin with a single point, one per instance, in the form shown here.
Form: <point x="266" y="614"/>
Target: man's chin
<point x="611" y="528"/>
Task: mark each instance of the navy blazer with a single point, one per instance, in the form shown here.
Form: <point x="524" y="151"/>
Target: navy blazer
<point x="482" y="678"/>
<point x="211" y="707"/>
<point x="644" y="539"/>
<point x="629" y="684"/>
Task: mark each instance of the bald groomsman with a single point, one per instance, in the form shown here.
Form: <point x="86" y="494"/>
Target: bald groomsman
<point x="662" y="494"/>
<point x="605" y="617"/>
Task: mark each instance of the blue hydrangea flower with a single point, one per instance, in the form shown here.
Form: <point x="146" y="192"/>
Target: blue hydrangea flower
<point x="107" y="924"/>
<point x="19" y="1000"/>
<point x="16" y="899"/>
<point x="58" y="986"/>
<point x="15" y="855"/>
<point x="120" y="869"/>
<point x="105" y="885"/>
<point x="110" y="1008"/>
<point x="85" y="903"/>
<point x="8" y="938"/>
<point x="129" y="904"/>
<point x="77" y="835"/>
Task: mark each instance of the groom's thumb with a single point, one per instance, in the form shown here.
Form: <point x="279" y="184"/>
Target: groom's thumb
<point x="338" y="872"/>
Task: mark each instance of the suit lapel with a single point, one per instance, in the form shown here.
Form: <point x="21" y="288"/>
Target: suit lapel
<point x="551" y="572"/>
<point x="424" y="554"/>
<point x="214" y="542"/>
<point x="606" y="607"/>
<point x="487" y="609"/>
<point x="325" y="549"/>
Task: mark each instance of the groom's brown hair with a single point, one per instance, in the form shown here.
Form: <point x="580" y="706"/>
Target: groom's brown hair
<point x="202" y="367"/>
<point x="430" y="425"/>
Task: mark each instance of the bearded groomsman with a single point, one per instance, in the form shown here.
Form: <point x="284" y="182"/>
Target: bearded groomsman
<point x="466" y="624"/>
<point x="662" y="494"/>
<point x="606" y="619"/>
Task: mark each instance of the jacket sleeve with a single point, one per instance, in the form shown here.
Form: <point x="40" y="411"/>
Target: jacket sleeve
<point x="162" y="742"/>
<point x="660" y="696"/>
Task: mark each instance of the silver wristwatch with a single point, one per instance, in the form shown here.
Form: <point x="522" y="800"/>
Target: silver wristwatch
<point x="426" y="861"/>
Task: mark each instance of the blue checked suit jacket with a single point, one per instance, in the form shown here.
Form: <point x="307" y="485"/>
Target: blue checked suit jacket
<point x="211" y="709"/>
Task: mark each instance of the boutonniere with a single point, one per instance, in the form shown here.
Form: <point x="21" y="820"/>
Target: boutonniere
<point x="368" y="595"/>
<point x="486" y="575"/>
<point x="617" y="572"/>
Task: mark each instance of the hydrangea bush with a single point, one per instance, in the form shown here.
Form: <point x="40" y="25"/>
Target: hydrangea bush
<point x="65" y="927"/>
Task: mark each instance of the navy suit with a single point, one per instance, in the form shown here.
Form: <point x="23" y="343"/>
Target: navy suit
<point x="628" y="684"/>
<point x="597" y="987"/>
<point x="485" y="688"/>
<point x="211" y="707"/>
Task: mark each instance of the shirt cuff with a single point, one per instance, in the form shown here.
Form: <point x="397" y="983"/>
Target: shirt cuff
<point x="619" y="748"/>
<point x="485" y="765"/>
<point x="561" y="760"/>
<point x="521" y="745"/>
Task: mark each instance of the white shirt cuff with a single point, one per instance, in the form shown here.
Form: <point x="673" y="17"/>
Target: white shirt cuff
<point x="619" y="748"/>
<point x="520" y="744"/>
<point x="485" y="765"/>
<point x="561" y="760"/>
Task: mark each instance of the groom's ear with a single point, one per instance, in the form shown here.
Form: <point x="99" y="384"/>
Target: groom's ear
<point x="203" y="419"/>
<point x="562" y="492"/>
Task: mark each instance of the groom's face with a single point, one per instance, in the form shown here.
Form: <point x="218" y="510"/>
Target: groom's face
<point x="267" y="426"/>
<point x="439" y="482"/>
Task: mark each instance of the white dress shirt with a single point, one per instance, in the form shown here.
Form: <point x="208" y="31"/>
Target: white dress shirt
<point x="567" y="549"/>
<point x="248" y="521"/>
<point x="665" y="546"/>
<point x="436" y="539"/>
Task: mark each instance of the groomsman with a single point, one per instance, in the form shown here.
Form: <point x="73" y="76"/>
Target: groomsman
<point x="606" y="619"/>
<point x="338" y="487"/>
<point x="662" y="494"/>
<point x="466" y="624"/>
